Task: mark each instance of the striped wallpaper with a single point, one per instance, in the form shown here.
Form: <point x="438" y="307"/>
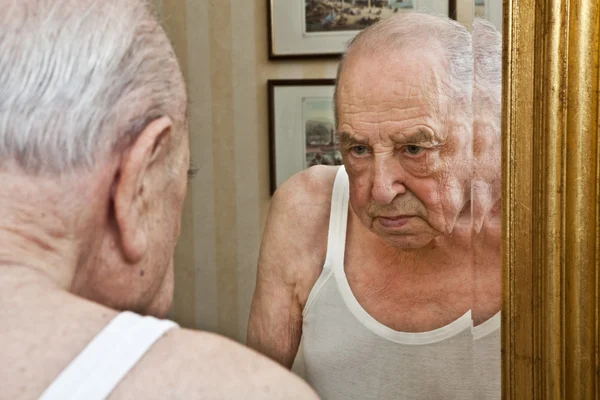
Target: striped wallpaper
<point x="223" y="49"/>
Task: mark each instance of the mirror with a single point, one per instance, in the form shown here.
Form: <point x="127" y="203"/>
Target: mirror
<point x="429" y="312"/>
<point x="277" y="31"/>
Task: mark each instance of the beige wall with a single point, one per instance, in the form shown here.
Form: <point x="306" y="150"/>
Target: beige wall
<point x="223" y="51"/>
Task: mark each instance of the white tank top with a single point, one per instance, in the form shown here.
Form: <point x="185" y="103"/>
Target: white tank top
<point x="99" y="368"/>
<point x="350" y="355"/>
<point x="487" y="359"/>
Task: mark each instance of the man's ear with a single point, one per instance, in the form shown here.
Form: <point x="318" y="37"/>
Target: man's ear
<point x="130" y="196"/>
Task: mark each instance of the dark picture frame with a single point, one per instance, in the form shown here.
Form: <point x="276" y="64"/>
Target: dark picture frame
<point x="301" y="126"/>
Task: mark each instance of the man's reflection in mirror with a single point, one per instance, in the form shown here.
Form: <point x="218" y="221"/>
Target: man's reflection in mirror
<point x="370" y="263"/>
<point x="487" y="98"/>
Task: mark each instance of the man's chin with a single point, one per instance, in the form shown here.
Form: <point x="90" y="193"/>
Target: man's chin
<point x="407" y="241"/>
<point x="410" y="245"/>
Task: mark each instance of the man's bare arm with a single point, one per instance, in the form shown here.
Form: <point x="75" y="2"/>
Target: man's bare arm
<point x="290" y="261"/>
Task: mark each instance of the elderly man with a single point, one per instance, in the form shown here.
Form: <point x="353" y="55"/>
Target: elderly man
<point x="371" y="264"/>
<point x="93" y="162"/>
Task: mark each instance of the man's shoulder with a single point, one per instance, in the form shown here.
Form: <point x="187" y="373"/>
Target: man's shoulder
<point x="311" y="187"/>
<point x="299" y="214"/>
<point x="294" y="244"/>
<point x="196" y="364"/>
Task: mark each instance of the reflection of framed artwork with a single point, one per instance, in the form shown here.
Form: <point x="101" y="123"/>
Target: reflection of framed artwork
<point x="480" y="10"/>
<point x="321" y="28"/>
<point x="301" y="127"/>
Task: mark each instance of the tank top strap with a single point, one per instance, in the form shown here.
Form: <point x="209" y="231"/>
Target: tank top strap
<point x="336" y="236"/>
<point x="99" y="368"/>
<point x="338" y="219"/>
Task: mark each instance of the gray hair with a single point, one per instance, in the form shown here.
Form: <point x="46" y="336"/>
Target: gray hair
<point x="487" y="51"/>
<point x="407" y="29"/>
<point x="80" y="79"/>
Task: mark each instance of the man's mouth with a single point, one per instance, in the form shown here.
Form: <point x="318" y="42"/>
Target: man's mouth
<point x="394" y="221"/>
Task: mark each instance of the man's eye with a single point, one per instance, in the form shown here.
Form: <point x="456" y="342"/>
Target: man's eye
<point x="359" y="150"/>
<point x="414" y="150"/>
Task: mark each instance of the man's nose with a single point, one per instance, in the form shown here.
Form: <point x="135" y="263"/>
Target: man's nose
<point x="388" y="180"/>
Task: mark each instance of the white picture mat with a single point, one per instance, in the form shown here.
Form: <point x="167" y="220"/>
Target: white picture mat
<point x="289" y="130"/>
<point x="288" y="21"/>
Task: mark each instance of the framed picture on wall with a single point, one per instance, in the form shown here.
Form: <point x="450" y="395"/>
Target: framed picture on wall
<point x="322" y="28"/>
<point x="301" y="127"/>
<point x="480" y="9"/>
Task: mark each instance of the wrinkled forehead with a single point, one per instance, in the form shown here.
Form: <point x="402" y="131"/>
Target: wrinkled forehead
<point x="403" y="88"/>
<point x="408" y="73"/>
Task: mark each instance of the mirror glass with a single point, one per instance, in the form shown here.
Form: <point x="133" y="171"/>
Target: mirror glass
<point x="385" y="316"/>
<point x="329" y="301"/>
<point x="400" y="319"/>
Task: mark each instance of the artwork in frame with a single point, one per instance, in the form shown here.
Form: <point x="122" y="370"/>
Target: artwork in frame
<point x="480" y="10"/>
<point x="322" y="28"/>
<point x="301" y="127"/>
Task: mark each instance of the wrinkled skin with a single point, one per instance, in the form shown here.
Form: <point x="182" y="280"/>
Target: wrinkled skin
<point x="487" y="162"/>
<point x="406" y="146"/>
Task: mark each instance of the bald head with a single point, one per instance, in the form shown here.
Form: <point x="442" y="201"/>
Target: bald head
<point x="407" y="32"/>
<point x="80" y="79"/>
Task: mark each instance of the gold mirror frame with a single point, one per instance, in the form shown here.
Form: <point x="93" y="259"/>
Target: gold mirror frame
<point x="551" y="234"/>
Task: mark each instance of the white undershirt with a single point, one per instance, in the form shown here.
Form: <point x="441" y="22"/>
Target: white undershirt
<point x="348" y="354"/>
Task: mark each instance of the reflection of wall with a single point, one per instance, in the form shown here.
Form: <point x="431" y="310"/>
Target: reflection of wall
<point x="464" y="12"/>
<point x="222" y="46"/>
<point x="494" y="13"/>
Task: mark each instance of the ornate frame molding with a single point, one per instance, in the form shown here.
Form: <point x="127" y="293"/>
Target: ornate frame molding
<point x="551" y="200"/>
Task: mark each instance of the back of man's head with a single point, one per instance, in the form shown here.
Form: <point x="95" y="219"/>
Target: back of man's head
<point x="80" y="79"/>
<point x="93" y="132"/>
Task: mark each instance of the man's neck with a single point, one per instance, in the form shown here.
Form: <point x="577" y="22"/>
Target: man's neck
<point x="36" y="256"/>
<point x="15" y="278"/>
<point x="35" y="232"/>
